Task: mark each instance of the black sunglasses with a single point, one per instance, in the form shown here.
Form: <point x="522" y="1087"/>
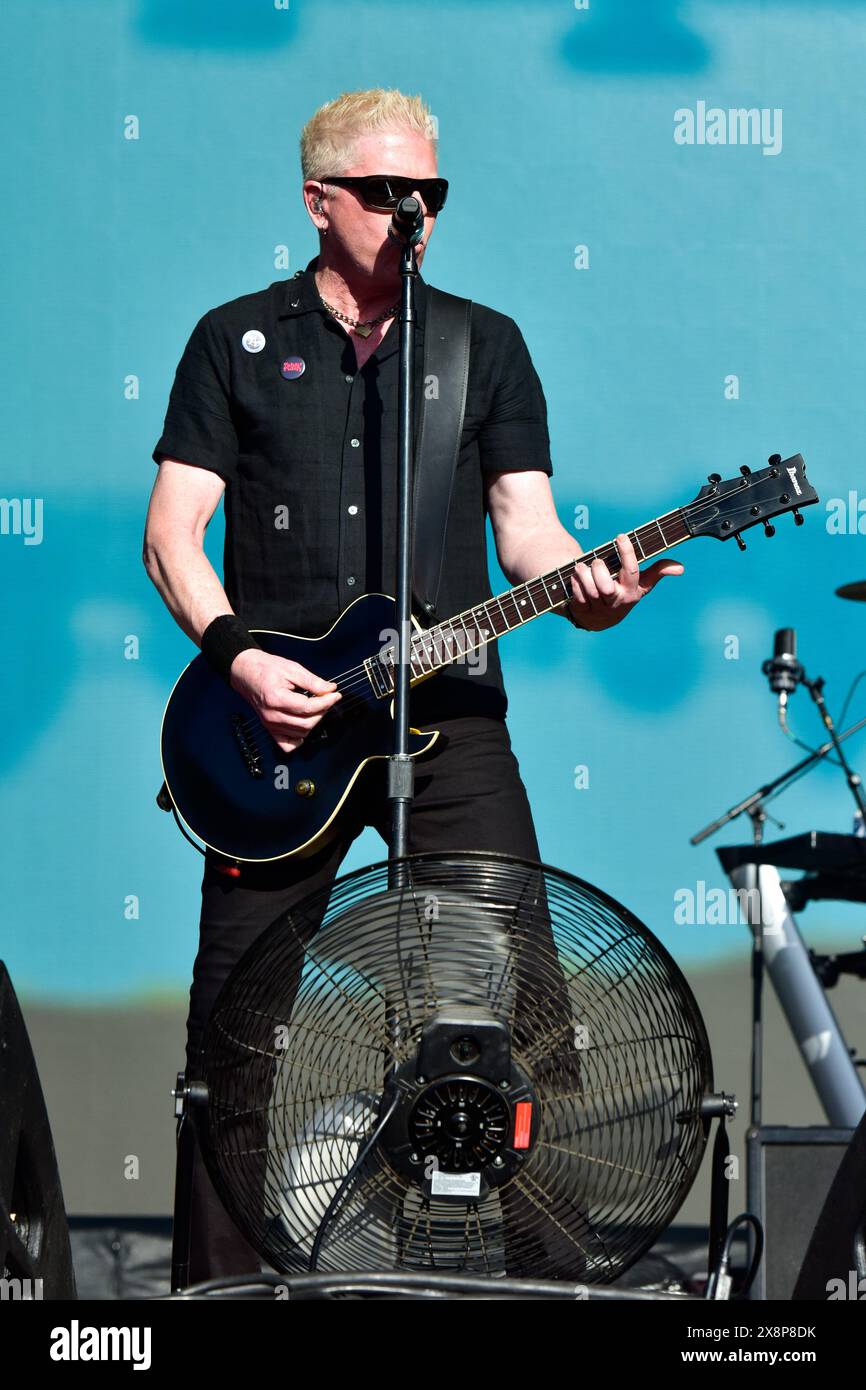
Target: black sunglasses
<point x="382" y="192"/>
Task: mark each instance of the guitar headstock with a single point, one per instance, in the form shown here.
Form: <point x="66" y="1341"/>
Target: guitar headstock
<point x="726" y="508"/>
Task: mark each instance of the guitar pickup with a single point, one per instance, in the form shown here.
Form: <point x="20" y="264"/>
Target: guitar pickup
<point x="380" y="678"/>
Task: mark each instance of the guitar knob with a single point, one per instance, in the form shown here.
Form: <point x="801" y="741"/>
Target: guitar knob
<point x="305" y="787"/>
<point x="740" y="542"/>
<point x="768" y="529"/>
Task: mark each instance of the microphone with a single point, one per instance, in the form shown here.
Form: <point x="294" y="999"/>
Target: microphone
<point x="783" y="669"/>
<point x="407" y="222"/>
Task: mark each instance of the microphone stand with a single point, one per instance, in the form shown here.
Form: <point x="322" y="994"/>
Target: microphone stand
<point x="816" y="690"/>
<point x="752" y="803"/>
<point x="407" y="225"/>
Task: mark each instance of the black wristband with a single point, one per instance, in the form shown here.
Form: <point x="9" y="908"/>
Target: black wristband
<point x="223" y="639"/>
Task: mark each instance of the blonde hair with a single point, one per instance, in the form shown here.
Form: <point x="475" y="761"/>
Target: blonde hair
<point x="328" y="138"/>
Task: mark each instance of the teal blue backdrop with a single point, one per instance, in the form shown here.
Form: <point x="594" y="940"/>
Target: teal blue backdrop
<point x="690" y="308"/>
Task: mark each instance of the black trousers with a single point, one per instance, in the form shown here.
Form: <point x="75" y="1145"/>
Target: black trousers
<point x="468" y="796"/>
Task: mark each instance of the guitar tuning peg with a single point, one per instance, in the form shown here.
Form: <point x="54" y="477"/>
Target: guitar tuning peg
<point x="745" y="470"/>
<point x="774" y="460"/>
<point x="768" y="529"/>
<point x="798" y="519"/>
<point x="714" y="478"/>
<point x="740" y="542"/>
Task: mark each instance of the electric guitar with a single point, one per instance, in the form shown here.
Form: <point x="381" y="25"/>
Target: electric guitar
<point x="243" y="796"/>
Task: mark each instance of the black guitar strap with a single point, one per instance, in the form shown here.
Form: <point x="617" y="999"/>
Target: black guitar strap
<point x="441" y="405"/>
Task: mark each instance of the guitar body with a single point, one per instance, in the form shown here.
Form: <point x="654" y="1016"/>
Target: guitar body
<point x="231" y="784"/>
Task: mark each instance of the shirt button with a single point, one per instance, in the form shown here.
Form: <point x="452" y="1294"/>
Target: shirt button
<point x="354" y="443"/>
<point x="353" y="511"/>
<point x="351" y="579"/>
<point x="348" y="378"/>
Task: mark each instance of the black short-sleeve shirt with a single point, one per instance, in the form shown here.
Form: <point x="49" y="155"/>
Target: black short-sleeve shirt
<point x="268" y="395"/>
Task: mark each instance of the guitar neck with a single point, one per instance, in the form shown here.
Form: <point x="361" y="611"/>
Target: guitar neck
<point x="448" y="642"/>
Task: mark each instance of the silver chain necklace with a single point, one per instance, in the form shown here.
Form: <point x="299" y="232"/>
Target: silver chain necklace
<point x="364" y="329"/>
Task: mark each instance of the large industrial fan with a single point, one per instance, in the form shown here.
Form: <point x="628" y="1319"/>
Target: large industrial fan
<point x="463" y="1062"/>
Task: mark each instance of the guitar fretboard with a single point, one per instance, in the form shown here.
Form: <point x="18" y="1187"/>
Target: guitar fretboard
<point x="452" y="640"/>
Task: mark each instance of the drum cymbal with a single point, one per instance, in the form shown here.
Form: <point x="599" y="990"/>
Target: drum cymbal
<point x="856" y="590"/>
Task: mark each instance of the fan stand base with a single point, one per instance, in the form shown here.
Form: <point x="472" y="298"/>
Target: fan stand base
<point x="181" y="1226"/>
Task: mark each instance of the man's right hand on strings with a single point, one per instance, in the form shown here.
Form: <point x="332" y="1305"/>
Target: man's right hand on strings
<point x="275" y="689"/>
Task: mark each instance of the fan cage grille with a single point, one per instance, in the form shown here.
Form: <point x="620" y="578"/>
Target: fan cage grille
<point x="337" y="991"/>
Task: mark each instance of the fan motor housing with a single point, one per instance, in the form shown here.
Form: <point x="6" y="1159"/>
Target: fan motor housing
<point x="466" y="1115"/>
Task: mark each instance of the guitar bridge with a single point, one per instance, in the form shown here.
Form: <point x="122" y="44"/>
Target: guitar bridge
<point x="251" y="755"/>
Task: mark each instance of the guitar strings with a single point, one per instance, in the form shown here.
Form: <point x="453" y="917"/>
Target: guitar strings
<point x="420" y="647"/>
<point x="603" y="552"/>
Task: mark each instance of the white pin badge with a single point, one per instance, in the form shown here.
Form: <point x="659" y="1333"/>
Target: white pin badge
<point x="253" y="340"/>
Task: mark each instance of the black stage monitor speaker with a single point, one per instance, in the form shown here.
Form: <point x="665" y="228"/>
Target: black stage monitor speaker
<point x="837" y="1250"/>
<point x="790" y="1173"/>
<point x="34" y="1234"/>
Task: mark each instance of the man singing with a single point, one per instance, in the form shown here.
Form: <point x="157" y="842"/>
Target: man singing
<point x="285" y="402"/>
